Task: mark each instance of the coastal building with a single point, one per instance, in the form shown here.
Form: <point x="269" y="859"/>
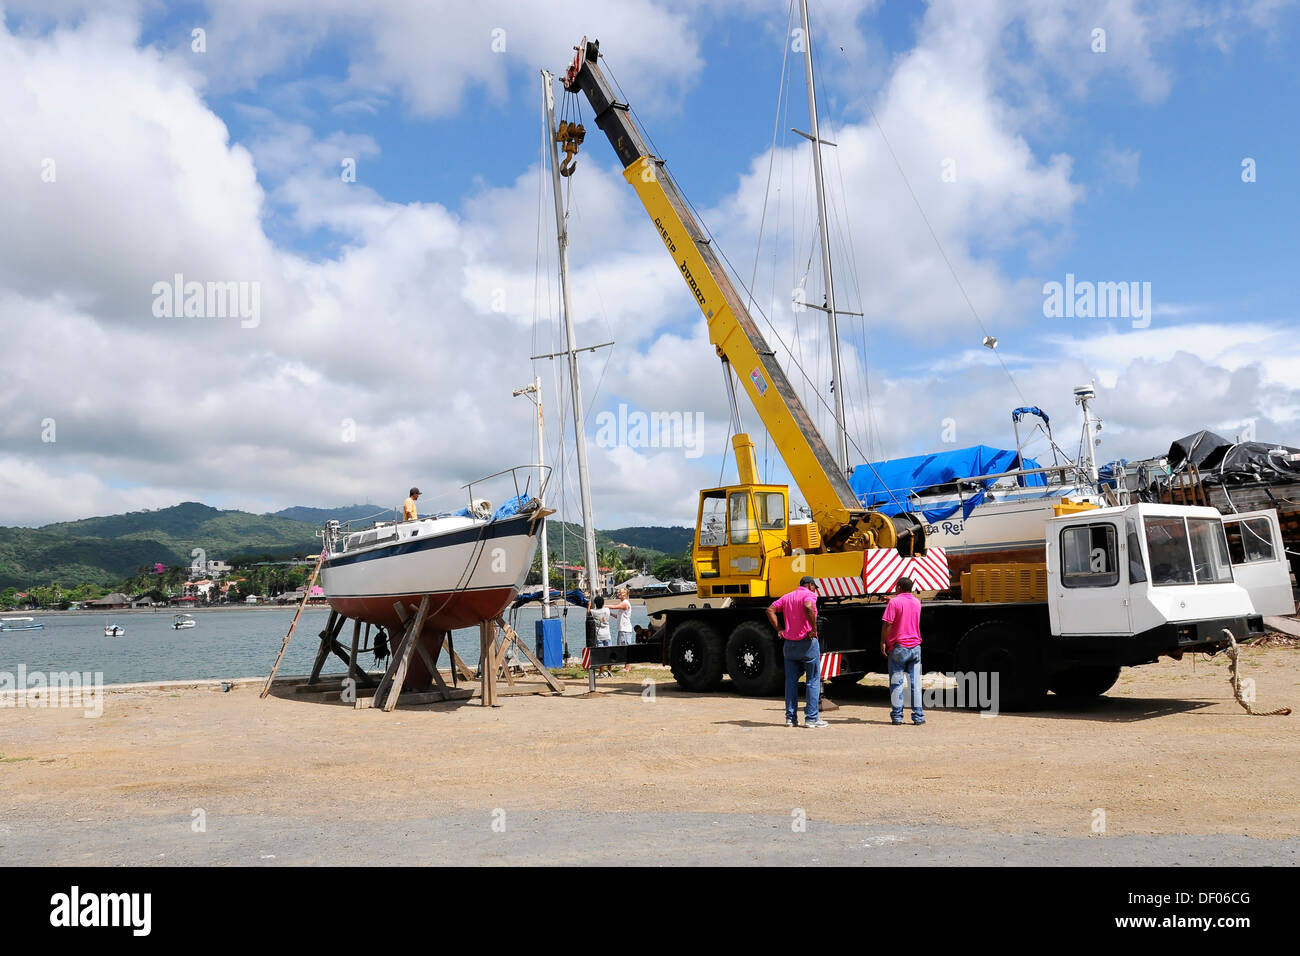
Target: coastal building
<point x="110" y="602"/>
<point x="199" y="588"/>
<point x="607" y="576"/>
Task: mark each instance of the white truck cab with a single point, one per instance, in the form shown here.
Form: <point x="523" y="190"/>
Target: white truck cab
<point x="1144" y="571"/>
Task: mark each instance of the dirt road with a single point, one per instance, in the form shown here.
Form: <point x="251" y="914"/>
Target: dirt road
<point x="1166" y="760"/>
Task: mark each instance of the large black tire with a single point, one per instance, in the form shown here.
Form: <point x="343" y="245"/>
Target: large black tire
<point x="1083" y="682"/>
<point x="754" y="660"/>
<point x="995" y="647"/>
<point x="695" y="656"/>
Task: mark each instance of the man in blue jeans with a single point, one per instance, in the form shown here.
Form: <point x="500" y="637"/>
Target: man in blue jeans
<point x="801" y="651"/>
<point x="900" y="642"/>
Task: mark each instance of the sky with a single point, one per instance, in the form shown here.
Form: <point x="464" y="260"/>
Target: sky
<point x="370" y="178"/>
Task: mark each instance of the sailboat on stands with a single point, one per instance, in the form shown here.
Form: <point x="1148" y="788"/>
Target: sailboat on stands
<point x="469" y="563"/>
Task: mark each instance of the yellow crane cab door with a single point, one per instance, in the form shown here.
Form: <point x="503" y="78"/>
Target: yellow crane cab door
<point x="744" y="555"/>
<point x="711" y="534"/>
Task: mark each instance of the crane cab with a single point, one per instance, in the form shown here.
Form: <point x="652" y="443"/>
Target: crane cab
<point x="739" y="530"/>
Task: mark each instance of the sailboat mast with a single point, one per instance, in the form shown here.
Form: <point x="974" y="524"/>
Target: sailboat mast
<point x="575" y="383"/>
<point x="535" y="390"/>
<point x="841" y="434"/>
<point x="541" y="478"/>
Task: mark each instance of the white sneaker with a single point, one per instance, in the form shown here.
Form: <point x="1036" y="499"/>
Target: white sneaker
<point x="816" y="723"/>
<point x="791" y="722"/>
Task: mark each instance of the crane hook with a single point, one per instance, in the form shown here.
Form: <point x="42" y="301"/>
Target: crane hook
<point x="570" y="136"/>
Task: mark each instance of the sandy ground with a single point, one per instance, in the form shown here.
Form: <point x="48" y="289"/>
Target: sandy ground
<point x="1168" y="757"/>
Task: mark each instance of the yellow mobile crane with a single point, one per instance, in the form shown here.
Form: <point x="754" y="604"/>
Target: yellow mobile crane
<point x="745" y="545"/>
<point x="1107" y="599"/>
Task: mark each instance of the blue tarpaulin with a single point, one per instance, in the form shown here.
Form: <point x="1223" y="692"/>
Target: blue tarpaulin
<point x="1020" y="413"/>
<point x="507" y="510"/>
<point x="511" y="507"/>
<point x="1109" y="474"/>
<point x="886" y="485"/>
<point x="573" y="597"/>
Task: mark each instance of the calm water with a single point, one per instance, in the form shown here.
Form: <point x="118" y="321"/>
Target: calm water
<point x="226" y="643"/>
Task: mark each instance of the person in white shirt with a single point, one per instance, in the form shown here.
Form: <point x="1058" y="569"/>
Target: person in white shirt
<point x="623" y="607"/>
<point x="600" y="614"/>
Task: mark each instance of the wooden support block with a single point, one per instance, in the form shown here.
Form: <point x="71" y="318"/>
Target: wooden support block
<point x="458" y="666"/>
<point x="356" y="643"/>
<point x="556" y="684"/>
<point x="519" y="690"/>
<point x="328" y="641"/>
<point x="402" y="660"/>
<point x="487" y="660"/>
<point x="503" y="650"/>
<point x="422" y="697"/>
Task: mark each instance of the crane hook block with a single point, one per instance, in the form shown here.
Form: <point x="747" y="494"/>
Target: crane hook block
<point x="569" y="137"/>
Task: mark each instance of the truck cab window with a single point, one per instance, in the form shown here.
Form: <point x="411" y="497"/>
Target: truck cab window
<point x="771" y="510"/>
<point x="713" y="526"/>
<point x="1137" y="571"/>
<point x="1171" y="556"/>
<point x="1209" y="551"/>
<point x="742" y="522"/>
<point x="1250" y="540"/>
<point x="1089" y="556"/>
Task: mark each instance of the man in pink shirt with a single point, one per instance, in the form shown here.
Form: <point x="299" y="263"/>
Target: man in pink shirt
<point x="801" y="651"/>
<point x="900" y="642"/>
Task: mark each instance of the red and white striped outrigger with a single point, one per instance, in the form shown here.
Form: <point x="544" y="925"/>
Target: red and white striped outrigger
<point x="881" y="570"/>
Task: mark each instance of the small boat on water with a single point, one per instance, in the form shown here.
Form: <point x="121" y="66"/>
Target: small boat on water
<point x="19" y="624"/>
<point x="181" y="622"/>
<point x="114" y="630"/>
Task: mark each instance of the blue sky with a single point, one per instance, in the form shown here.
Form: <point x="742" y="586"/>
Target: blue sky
<point x="1123" y="165"/>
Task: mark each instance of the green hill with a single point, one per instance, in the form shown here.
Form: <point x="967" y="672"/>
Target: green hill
<point x="654" y="540"/>
<point x="108" y="549"/>
<point x="105" y="550"/>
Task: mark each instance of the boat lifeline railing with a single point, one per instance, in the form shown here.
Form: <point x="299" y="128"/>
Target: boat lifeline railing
<point x="1062" y="470"/>
<point x="530" y="474"/>
<point x="962" y="486"/>
<point x="336" y="532"/>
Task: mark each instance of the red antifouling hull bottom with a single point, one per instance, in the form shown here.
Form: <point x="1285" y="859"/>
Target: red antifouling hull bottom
<point x="448" y="611"/>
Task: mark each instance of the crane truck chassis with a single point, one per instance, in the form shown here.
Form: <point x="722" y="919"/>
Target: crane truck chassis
<point x="1126" y="586"/>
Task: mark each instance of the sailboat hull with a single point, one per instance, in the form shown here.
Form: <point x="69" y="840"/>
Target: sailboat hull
<point x="470" y="573"/>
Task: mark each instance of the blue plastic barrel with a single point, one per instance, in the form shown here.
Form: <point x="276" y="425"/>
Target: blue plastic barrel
<point x="550" y="641"/>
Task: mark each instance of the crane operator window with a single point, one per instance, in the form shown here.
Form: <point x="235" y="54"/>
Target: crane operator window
<point x="771" y="510"/>
<point x="742" y="522"/>
<point x="713" y="526"/>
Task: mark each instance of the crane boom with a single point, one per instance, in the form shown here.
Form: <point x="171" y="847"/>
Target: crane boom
<point x="732" y="330"/>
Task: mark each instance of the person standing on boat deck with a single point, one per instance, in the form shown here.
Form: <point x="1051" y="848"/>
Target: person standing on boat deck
<point x="900" y="642"/>
<point x="625" y="633"/>
<point x="408" y="507"/>
<point x="801" y="651"/>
